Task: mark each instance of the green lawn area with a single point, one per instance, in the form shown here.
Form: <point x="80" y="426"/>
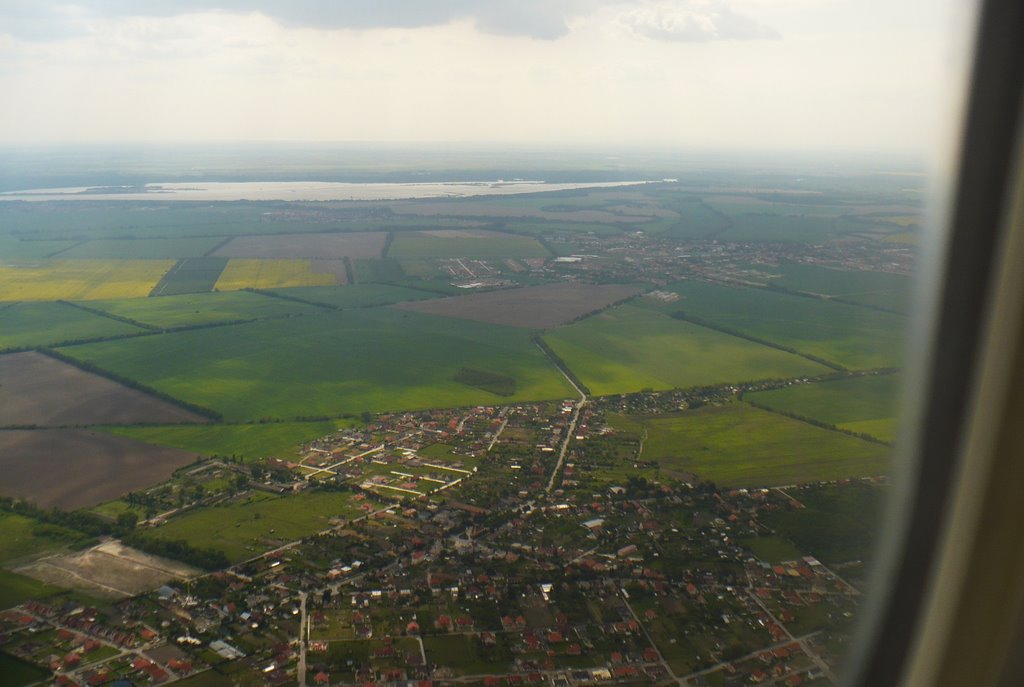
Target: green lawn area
<point x="16" y="589"/>
<point x="772" y="549"/>
<point x="258" y="522"/>
<point x="143" y="249"/>
<point x="355" y="295"/>
<point x="464" y="244"/>
<point x="22" y="537"/>
<point x="200" y="308"/>
<point x="249" y="441"/>
<point x="741" y="446"/>
<point x="880" y="289"/>
<point x="630" y="348"/>
<point x="860" y="404"/>
<point x="332" y="364"/>
<point x="852" y="336"/>
<point x="465" y="655"/>
<point x="39" y="324"/>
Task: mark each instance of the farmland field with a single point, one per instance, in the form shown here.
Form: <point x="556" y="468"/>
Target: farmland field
<point x="860" y="404"/>
<point x="40" y="390"/>
<point x="199" y="308"/>
<point x="537" y="307"/>
<point x="248" y="441"/>
<point x="271" y="274"/>
<point x="630" y="348"/>
<point x="12" y="248"/>
<point x="855" y="337"/>
<point x="355" y="295"/>
<point x="331" y="364"/>
<point x="16" y="589"/>
<point x="39" y="324"/>
<point x="741" y="446"/>
<point x="48" y="280"/>
<point x="77" y="468"/>
<point x="879" y="289"/>
<point x="191" y="275"/>
<point x="245" y="528"/>
<point x="142" y="249"/>
<point x="464" y="243"/>
<point x="309" y="246"/>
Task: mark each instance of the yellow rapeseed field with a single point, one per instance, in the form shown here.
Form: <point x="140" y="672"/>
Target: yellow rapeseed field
<point x="270" y="274"/>
<point x="48" y="280"/>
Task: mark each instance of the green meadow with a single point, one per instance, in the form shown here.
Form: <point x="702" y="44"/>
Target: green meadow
<point x="40" y="324"/>
<point x="22" y="538"/>
<point x="332" y="364"/>
<point x="144" y="249"/>
<point x="168" y="312"/>
<point x="631" y="348"/>
<point x="16" y="589"/>
<point x="878" y="289"/>
<point x="741" y="446"/>
<point x="247" y="441"/>
<point x="258" y="522"/>
<point x="859" y="404"/>
<point x="848" y="335"/>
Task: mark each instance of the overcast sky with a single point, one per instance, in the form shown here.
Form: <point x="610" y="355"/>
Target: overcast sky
<point x="872" y="75"/>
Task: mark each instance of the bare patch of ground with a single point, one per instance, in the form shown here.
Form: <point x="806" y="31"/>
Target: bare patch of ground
<point x="535" y="307"/>
<point x="109" y="570"/>
<point x="38" y="390"/>
<point x="78" y="468"/>
<point x="368" y="244"/>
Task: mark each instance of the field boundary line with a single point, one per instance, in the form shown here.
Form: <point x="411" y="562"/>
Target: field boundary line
<point x="108" y="315"/>
<point x="216" y="248"/>
<point x="819" y="424"/>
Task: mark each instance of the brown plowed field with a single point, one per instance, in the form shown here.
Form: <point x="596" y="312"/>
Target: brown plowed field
<point x="38" y="390"/>
<point x="367" y="244"/>
<point x="534" y="307"/>
<point x="77" y="468"/>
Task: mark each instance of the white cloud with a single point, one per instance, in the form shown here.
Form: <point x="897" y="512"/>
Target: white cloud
<point x="697" y="21"/>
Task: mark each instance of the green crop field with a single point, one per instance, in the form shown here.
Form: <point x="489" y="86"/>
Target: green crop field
<point x="190" y="275"/>
<point x="879" y="289"/>
<point x="464" y="244"/>
<point x="22" y="537"/>
<point x="143" y="249"/>
<point x="15" y="672"/>
<point x="249" y="441"/>
<point x="200" y="308"/>
<point x="12" y="248"/>
<point x="355" y="296"/>
<point x="258" y="522"/>
<point x="849" y="335"/>
<point x="332" y="364"/>
<point x="16" y="589"/>
<point x="630" y="348"/>
<point x="857" y="404"/>
<point x="741" y="446"/>
<point x="39" y="324"/>
<point x="49" y="280"/>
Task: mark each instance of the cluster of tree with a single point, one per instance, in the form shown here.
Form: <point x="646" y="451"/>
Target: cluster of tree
<point x="130" y="383"/>
<point x="81" y="521"/>
<point x="179" y="550"/>
<point x="819" y="423"/>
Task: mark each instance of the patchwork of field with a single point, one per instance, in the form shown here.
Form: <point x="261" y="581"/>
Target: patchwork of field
<point x="39" y="390"/>
<point x="49" y="280"/>
<point x="272" y="274"/>
<point x="741" y="446"/>
<point x="77" y="468"/>
<point x="309" y="246"/>
<point x="848" y="335"/>
<point x="247" y="441"/>
<point x="464" y="243"/>
<point x="536" y="307"/>
<point x="630" y="348"/>
<point x="865" y="405"/>
<point x="143" y="249"/>
<point x="519" y="207"/>
<point x="355" y="295"/>
<point x="185" y="310"/>
<point x="259" y="522"/>
<point x="877" y="289"/>
<point x="108" y="570"/>
<point x="190" y="275"/>
<point x="331" y="364"/>
<point x="40" y="324"/>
